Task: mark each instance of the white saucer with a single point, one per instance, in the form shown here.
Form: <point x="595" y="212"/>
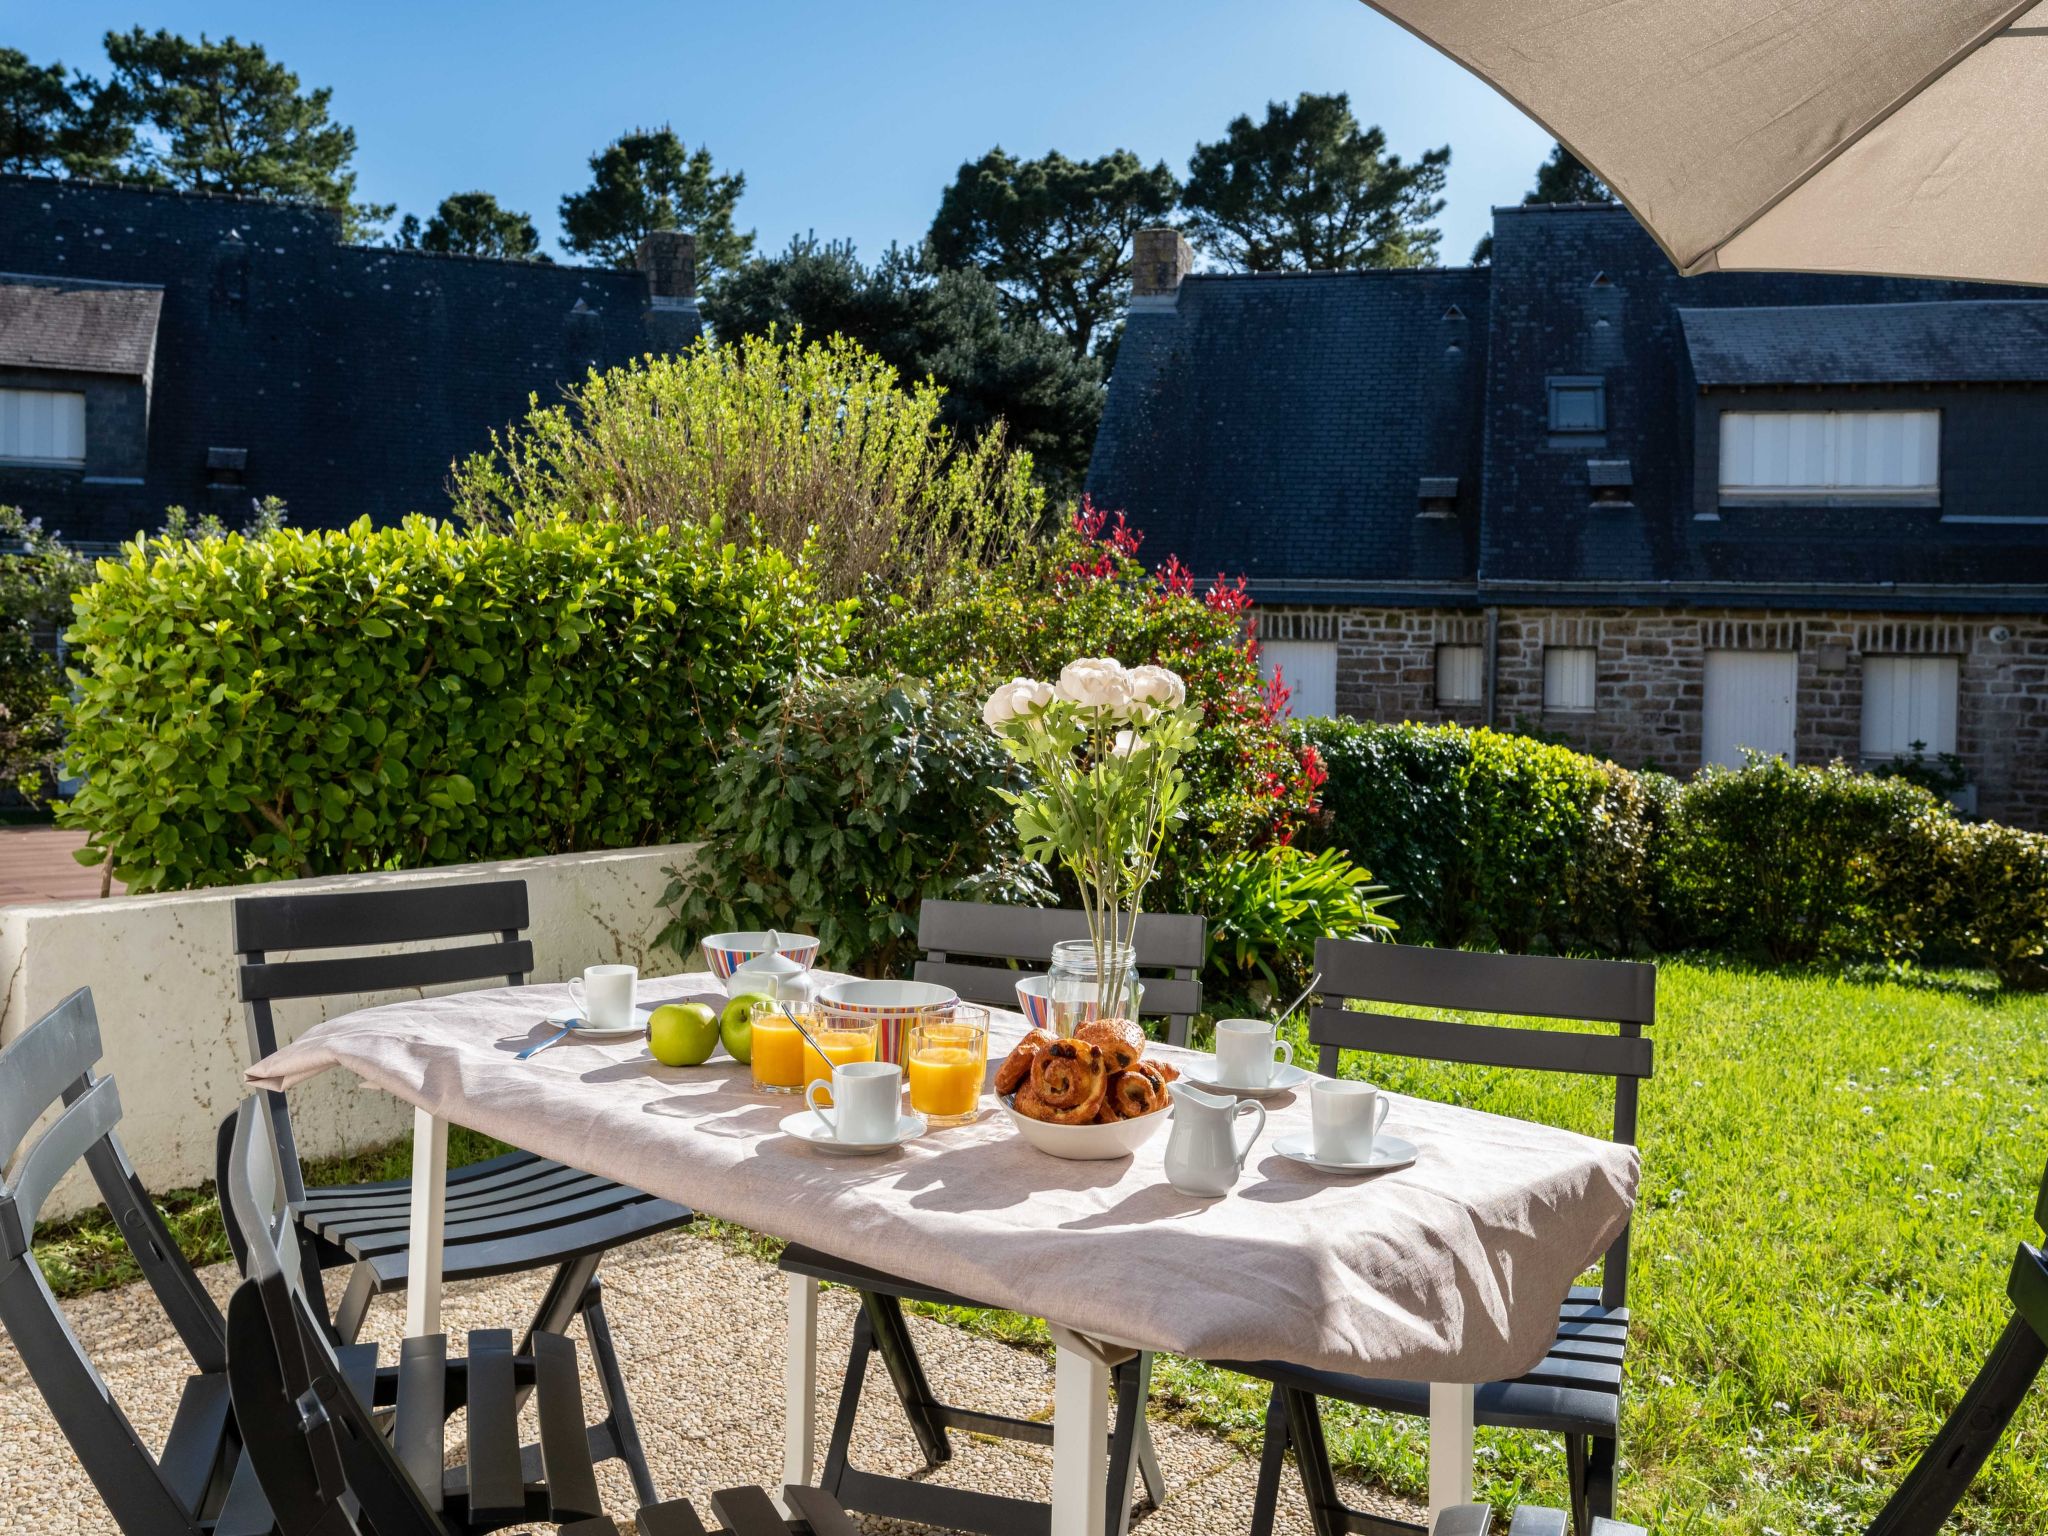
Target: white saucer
<point x="1388" y="1152"/>
<point x="588" y="1031"/>
<point x="1285" y="1080"/>
<point x="808" y="1129"/>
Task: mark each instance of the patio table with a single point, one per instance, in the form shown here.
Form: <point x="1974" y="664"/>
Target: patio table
<point x="1450" y="1271"/>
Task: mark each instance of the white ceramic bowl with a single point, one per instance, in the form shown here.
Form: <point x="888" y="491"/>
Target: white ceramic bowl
<point x="1086" y="1143"/>
<point x="727" y="952"/>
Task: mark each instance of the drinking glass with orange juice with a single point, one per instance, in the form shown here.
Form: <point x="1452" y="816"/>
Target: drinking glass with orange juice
<point x="784" y="1062"/>
<point x="948" y="1065"/>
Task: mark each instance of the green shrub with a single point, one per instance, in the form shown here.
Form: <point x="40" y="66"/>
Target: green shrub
<point x="1794" y="863"/>
<point x="307" y="703"/>
<point x="1084" y="593"/>
<point x="808" y="446"/>
<point x="38" y="574"/>
<point x="1488" y="838"/>
<point x="1999" y="879"/>
<point x="1267" y="909"/>
<point x="852" y="801"/>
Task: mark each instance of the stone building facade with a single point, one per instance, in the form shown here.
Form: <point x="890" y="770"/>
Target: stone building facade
<point x="162" y="348"/>
<point x="1661" y="519"/>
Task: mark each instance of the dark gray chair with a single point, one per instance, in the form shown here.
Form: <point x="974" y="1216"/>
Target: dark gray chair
<point x="507" y="1215"/>
<point x="980" y="950"/>
<point x="324" y="1462"/>
<point x="1004" y="943"/>
<point x="1576" y="1391"/>
<point x="183" y="1488"/>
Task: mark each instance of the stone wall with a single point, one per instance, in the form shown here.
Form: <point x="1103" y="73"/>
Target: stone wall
<point x="1650" y="668"/>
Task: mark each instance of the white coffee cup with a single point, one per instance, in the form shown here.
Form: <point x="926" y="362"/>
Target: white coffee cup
<point x="1249" y="1052"/>
<point x="1345" y="1119"/>
<point x="867" y="1098"/>
<point x="603" y="995"/>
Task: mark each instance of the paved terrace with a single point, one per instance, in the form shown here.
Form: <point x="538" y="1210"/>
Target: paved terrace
<point x="701" y="1329"/>
<point x="36" y="865"/>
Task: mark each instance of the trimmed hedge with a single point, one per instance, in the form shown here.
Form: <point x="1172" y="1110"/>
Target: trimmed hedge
<point x="322" y="702"/>
<point x="1498" y="840"/>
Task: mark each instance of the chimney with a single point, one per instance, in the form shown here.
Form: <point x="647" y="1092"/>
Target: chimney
<point x="1160" y="258"/>
<point x="669" y="258"/>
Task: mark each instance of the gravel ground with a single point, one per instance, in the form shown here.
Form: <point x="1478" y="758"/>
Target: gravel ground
<point x="700" y="1329"/>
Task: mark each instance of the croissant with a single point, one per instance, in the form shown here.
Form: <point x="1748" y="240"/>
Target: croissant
<point x="1017" y="1065"/>
<point x="1120" y="1040"/>
<point x="1069" y="1080"/>
<point x="1138" y="1090"/>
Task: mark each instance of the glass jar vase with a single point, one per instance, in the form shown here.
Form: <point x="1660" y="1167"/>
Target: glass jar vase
<point x="1086" y="985"/>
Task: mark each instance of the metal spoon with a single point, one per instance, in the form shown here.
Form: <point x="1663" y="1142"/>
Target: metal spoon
<point x="560" y="1035"/>
<point x="1313" y="982"/>
<point x="790" y="1014"/>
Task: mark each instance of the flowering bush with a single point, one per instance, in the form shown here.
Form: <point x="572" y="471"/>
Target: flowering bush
<point x="1085" y="592"/>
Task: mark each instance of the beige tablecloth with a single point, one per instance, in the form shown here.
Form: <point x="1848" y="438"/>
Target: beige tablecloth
<point x="1449" y="1270"/>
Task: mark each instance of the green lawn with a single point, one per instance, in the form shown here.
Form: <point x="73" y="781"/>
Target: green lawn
<point x="1836" y="1171"/>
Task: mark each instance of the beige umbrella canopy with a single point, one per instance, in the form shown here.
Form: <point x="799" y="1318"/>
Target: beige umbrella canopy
<point x="1897" y="136"/>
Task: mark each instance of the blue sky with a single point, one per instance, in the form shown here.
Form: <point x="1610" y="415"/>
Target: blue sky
<point x="848" y="120"/>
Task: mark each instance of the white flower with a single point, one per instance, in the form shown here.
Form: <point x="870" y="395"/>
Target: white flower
<point x="1128" y="744"/>
<point x="1014" y="699"/>
<point x="1159" y="687"/>
<point x="1098" y="684"/>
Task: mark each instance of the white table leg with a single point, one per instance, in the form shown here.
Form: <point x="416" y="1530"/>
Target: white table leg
<point x="1450" y="1445"/>
<point x="1080" y="1430"/>
<point x="800" y="1381"/>
<point x="429" y="1214"/>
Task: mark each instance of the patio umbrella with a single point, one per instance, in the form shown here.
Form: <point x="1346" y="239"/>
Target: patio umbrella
<point x="1894" y="136"/>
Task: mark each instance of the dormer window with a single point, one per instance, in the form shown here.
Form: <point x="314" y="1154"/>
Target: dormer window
<point x="1831" y="456"/>
<point x="42" y="426"/>
<point x="1577" y="405"/>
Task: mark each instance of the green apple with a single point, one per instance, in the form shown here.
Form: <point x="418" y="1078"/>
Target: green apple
<point x="736" y="1024"/>
<point x="682" y="1034"/>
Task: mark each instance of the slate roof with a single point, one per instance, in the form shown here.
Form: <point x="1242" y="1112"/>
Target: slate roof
<point x="1251" y="427"/>
<point x="81" y="327"/>
<point x="1954" y="342"/>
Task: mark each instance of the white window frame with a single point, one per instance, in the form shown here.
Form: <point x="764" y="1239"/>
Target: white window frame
<point x="1309" y="668"/>
<point x="1454" y="665"/>
<point x="1570" y="679"/>
<point x="1859" y="456"/>
<point x="42" y="427"/>
<point x="1908" y="699"/>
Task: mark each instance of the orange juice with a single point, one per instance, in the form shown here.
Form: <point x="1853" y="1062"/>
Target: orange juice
<point x="778" y="1052"/>
<point x="945" y="1081"/>
<point x="948" y="1062"/>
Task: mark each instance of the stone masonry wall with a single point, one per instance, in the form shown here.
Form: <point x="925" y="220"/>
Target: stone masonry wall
<point x="1649" y="688"/>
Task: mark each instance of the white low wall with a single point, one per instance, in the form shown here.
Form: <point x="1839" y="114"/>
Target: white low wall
<point x="162" y="973"/>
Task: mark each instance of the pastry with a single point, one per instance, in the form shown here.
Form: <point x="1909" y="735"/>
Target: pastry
<point x="1069" y="1080"/>
<point x="1120" y="1040"/>
<point x="1138" y="1090"/>
<point x="1017" y="1065"/>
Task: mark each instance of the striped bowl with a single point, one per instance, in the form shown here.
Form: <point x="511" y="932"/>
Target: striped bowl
<point x="891" y="1004"/>
<point x="727" y="952"/>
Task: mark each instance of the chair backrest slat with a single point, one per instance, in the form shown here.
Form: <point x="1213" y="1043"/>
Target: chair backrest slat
<point x="351" y="919"/>
<point x="41" y="1063"/>
<point x="271" y="981"/>
<point x="1531" y="986"/>
<point x="90" y="1117"/>
<point x="1486" y="1045"/>
<point x="1021" y="939"/>
<point x="983" y="930"/>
